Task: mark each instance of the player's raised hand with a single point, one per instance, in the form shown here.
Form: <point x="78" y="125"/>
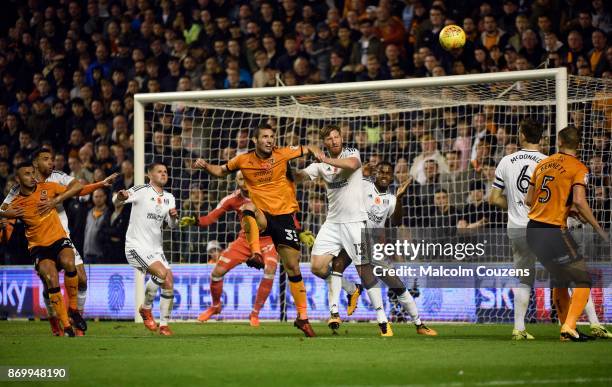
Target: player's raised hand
<point x="200" y="164"/>
<point x="403" y="188"/>
<point x="109" y="181"/>
<point x="123" y="195"/>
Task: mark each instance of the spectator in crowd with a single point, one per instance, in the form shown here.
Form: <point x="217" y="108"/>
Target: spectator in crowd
<point x="429" y="151"/>
<point x="69" y="76"/>
<point x="442" y="214"/>
<point x="476" y="214"/>
<point x="95" y="222"/>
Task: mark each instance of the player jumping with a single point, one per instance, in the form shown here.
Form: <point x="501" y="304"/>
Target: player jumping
<point x="558" y="182"/>
<point x="48" y="244"/>
<point x="239" y="251"/>
<point x="151" y="207"/>
<point x="272" y="192"/>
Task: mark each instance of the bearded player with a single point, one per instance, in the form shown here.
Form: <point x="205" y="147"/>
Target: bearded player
<point x="258" y="255"/>
<point x="42" y="160"/>
<point x="346" y="218"/>
<point x="152" y="206"/>
<point x="48" y="244"/>
<point x="272" y="192"/>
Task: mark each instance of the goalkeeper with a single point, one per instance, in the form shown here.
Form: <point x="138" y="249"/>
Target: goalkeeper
<point x="255" y="250"/>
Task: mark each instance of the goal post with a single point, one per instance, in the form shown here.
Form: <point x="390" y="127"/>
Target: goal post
<point x="546" y="90"/>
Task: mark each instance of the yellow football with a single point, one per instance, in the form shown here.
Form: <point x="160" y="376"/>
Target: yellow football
<point x="452" y="36"/>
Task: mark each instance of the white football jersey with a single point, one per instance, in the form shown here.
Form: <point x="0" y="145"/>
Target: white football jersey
<point x="379" y="205"/>
<point x="344" y="191"/>
<point x="149" y="211"/>
<point x="58" y="177"/>
<point x="512" y="175"/>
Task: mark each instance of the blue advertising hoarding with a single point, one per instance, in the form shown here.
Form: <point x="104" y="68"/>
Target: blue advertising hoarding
<point x="111" y="296"/>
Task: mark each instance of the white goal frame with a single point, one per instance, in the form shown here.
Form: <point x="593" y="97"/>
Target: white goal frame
<point x="558" y="74"/>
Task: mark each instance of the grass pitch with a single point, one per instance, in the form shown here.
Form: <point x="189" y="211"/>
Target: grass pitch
<point x="216" y="354"/>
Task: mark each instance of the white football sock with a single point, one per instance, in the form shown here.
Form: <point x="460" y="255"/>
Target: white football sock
<point x="375" y="296"/>
<point x="348" y="286"/>
<point x="151" y="288"/>
<point x="81" y="298"/>
<point x="589" y="309"/>
<point x="521" y="303"/>
<point x="410" y="306"/>
<point x="165" y="306"/>
<point x="334" y="284"/>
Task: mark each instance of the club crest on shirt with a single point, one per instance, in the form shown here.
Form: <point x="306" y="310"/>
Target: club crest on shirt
<point x="377" y="200"/>
<point x="43" y="194"/>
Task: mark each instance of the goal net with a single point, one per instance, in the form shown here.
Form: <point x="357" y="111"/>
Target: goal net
<point x="447" y="137"/>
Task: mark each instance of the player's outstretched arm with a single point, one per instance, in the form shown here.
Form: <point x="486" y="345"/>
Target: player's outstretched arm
<point x="172" y="218"/>
<point x="214" y="170"/>
<point x="106" y="183"/>
<point x="212" y="217"/>
<point x="498" y="199"/>
<point x="10" y="212"/>
<point x="121" y="197"/>
<point x="582" y="206"/>
<point x="350" y="163"/>
<point x="72" y="190"/>
<point x="398" y="212"/>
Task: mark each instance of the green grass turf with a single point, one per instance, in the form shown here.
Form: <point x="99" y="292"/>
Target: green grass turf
<point x="215" y="354"/>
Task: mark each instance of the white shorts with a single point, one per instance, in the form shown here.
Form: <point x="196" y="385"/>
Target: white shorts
<point x="78" y="260"/>
<point x="141" y="259"/>
<point x="333" y="237"/>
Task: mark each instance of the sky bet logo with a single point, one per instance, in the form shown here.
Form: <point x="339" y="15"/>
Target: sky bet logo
<point x="12" y="292"/>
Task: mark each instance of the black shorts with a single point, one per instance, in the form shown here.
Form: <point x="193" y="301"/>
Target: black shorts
<point x="558" y="252"/>
<point x="283" y="229"/>
<point x="38" y="253"/>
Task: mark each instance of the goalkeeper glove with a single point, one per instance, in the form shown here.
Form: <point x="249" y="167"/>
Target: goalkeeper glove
<point x="187" y="221"/>
<point x="256" y="261"/>
<point x="307" y="238"/>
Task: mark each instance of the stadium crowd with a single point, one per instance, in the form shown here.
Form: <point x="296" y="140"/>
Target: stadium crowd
<point x="70" y="70"/>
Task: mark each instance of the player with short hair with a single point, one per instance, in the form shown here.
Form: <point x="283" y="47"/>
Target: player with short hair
<point x="346" y="218"/>
<point x="42" y="160"/>
<point x="381" y="205"/>
<point x="272" y="191"/>
<point x="151" y="207"/>
<point x="558" y="183"/>
<point x="510" y="186"/>
<point x="239" y="251"/>
<point x="48" y="244"/>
